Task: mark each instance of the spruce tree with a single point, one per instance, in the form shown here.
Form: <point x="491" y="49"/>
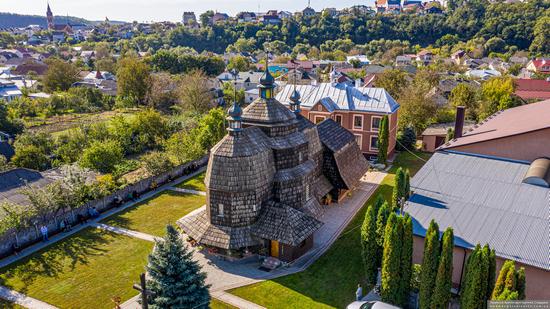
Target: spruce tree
<point x="443" y="280"/>
<point x="406" y="260"/>
<point x="398" y="188"/>
<point x="370" y="245"/>
<point x="391" y="260"/>
<point x="383" y="141"/>
<point x="174" y="277"/>
<point x="381" y="221"/>
<point x="429" y="265"/>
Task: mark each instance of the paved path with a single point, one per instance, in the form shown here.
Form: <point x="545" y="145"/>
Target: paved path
<point x="126" y="232"/>
<point x="188" y="191"/>
<point x="23" y="300"/>
<point x="235" y="301"/>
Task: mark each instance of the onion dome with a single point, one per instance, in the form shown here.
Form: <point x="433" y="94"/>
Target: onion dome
<point x="235" y="123"/>
<point x="295" y="96"/>
<point x="267" y="79"/>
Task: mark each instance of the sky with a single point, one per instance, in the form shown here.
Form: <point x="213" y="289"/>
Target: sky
<point x="161" y="10"/>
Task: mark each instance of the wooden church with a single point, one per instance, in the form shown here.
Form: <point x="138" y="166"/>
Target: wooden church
<point x="267" y="178"/>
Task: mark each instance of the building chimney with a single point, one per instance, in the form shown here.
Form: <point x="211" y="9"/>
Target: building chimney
<point x="459" y="121"/>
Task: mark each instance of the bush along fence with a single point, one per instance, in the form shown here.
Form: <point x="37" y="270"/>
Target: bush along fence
<point x="17" y="239"/>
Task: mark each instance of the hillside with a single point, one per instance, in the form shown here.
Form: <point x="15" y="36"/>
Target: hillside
<point x="9" y="20"/>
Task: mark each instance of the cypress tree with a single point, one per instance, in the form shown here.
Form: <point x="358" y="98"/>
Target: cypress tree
<point x="443" y="280"/>
<point x="370" y="245"/>
<point x="472" y="279"/>
<point x="383" y="141"/>
<point x="378" y="203"/>
<point x="500" y="284"/>
<point x="492" y="273"/>
<point x="484" y="284"/>
<point x="429" y="265"/>
<point x="520" y="283"/>
<point x="174" y="277"/>
<point x="391" y="260"/>
<point x="406" y="260"/>
<point x="407" y="189"/>
<point x="381" y="221"/>
<point x="398" y="188"/>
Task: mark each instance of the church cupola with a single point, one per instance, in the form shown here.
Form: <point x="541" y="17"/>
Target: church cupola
<point x="267" y="83"/>
<point x="295" y="99"/>
<point x="234" y="118"/>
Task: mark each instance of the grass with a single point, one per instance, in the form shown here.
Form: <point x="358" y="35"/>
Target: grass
<point x="217" y="304"/>
<point x="196" y="183"/>
<point x="4" y="304"/>
<point x="152" y="215"/>
<point x="83" y="271"/>
<point x="331" y="281"/>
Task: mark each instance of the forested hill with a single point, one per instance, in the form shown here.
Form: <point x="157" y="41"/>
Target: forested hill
<point x="9" y="20"/>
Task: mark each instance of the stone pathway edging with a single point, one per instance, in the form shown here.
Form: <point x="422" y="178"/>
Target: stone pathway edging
<point x="235" y="300"/>
<point x="126" y="232"/>
<point x="23" y="300"/>
<point x="182" y="190"/>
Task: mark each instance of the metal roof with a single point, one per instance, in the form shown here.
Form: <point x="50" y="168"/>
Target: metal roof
<point x="485" y="201"/>
<point x="342" y="97"/>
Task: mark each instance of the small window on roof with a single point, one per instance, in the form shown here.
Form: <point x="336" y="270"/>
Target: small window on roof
<point x="538" y="173"/>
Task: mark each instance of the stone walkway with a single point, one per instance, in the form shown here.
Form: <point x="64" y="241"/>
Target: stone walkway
<point x="23" y="300"/>
<point x="235" y="301"/>
<point x="126" y="232"/>
<point x="188" y="191"/>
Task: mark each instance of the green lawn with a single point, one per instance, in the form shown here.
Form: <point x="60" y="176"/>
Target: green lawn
<point x="83" y="271"/>
<point x="331" y="281"/>
<point x="151" y="216"/>
<point x="216" y="304"/>
<point x="195" y="183"/>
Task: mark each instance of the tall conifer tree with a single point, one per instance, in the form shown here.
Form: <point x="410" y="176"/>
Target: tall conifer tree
<point x="383" y="141"/>
<point x="429" y="265"/>
<point x="370" y="245"/>
<point x="406" y="260"/>
<point x="443" y="281"/>
<point x="391" y="260"/>
<point x="381" y="221"/>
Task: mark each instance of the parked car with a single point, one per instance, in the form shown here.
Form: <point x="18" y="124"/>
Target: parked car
<point x="370" y="305"/>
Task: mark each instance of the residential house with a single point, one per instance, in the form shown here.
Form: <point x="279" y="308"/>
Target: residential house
<point x="435" y="135"/>
<point x="246" y="17"/>
<point x="8" y="90"/>
<point x="518" y="60"/>
<point x="31" y="67"/>
<point x="458" y="57"/>
<point x="332" y="12"/>
<point x="532" y="89"/>
<point x="219" y="18"/>
<point x="308" y="12"/>
<point x="285" y="14"/>
<point x="358" y="109"/>
<point x="483" y="74"/>
<point x="491" y="185"/>
<point x="403" y="60"/>
<point x="539" y="65"/>
<point x="387" y="5"/>
<point x="363" y="59"/>
<point x="271" y="18"/>
<point x="245" y="80"/>
<point x="425" y="57"/>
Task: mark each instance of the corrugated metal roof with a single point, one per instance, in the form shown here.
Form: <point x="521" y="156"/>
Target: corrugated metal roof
<point x="485" y="201"/>
<point x="342" y="97"/>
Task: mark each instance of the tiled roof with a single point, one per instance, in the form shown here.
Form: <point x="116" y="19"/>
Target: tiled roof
<point x="532" y="88"/>
<point x="484" y="201"/>
<point x="512" y="121"/>
<point x="342" y="97"/>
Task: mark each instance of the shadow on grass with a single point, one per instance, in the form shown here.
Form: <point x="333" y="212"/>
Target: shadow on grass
<point x="52" y="260"/>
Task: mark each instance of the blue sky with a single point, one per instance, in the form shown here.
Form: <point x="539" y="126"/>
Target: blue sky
<point x="158" y="10"/>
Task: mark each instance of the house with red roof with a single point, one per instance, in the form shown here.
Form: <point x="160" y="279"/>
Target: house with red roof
<point x="532" y="89"/>
<point x="539" y="65"/>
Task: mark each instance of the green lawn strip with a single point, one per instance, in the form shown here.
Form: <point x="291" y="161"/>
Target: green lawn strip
<point x="218" y="304"/>
<point x="195" y="183"/>
<point x="152" y="215"/>
<point x="85" y="270"/>
<point x="4" y="304"/>
<point x="331" y="281"/>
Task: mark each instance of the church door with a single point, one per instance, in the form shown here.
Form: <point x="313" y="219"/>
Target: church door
<point x="274" y="249"/>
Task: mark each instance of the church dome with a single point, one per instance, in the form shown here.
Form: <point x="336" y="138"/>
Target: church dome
<point x="267" y="79"/>
<point x="295" y="96"/>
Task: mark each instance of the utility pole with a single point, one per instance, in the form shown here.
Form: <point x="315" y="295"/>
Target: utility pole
<point x="142" y="288"/>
